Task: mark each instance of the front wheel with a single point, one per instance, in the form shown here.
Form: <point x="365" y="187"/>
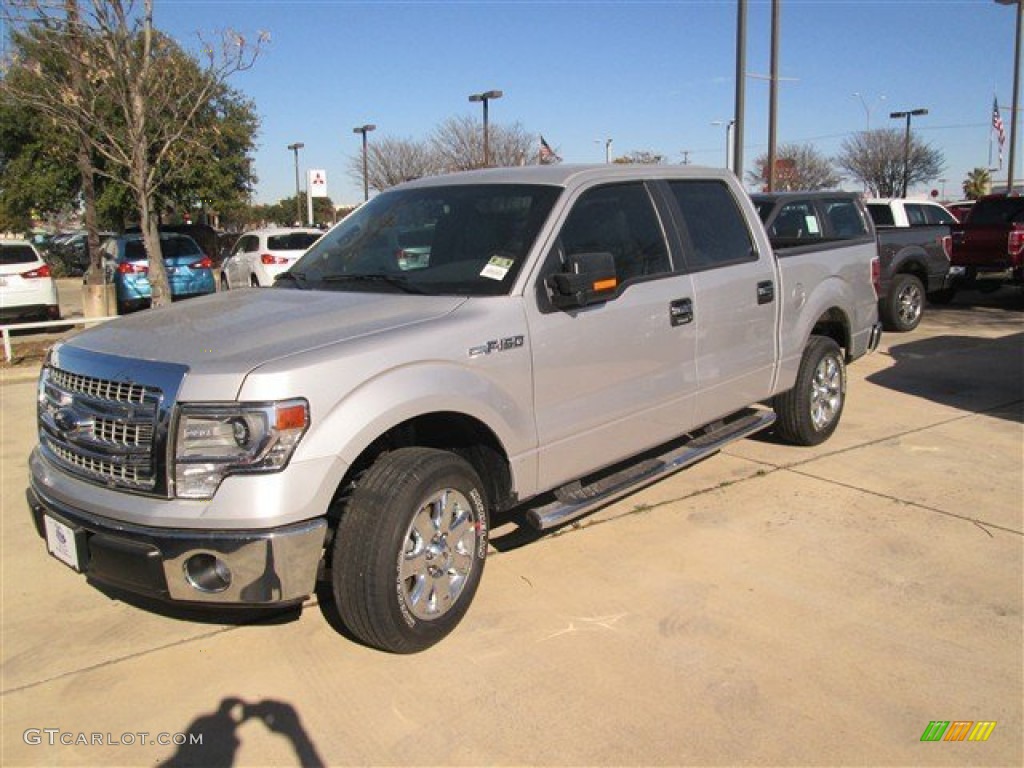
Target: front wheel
<point x="904" y="305"/>
<point x="809" y="413"/>
<point x="410" y="549"/>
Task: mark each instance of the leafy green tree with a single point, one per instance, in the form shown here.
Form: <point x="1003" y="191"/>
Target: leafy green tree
<point x="797" y="167"/>
<point x="977" y="183"/>
<point x="877" y="159"/>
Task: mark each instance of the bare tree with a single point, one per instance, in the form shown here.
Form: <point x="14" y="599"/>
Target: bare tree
<point x="876" y="158"/>
<point x="640" y="157"/>
<point x="798" y="167"/>
<point x="138" y="94"/>
<point x="390" y="161"/>
<point x="458" y="144"/>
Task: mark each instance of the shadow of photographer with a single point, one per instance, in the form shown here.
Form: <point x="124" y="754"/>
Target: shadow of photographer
<point x="212" y="738"/>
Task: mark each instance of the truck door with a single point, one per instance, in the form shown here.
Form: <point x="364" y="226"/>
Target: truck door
<point x="736" y="299"/>
<point x="615" y="378"/>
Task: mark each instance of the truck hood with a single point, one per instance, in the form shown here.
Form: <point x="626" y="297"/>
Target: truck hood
<point x="234" y="332"/>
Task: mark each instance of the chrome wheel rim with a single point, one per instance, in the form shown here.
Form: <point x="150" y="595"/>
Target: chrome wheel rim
<point x="908" y="304"/>
<point x="439" y="554"/>
<point x="826" y="392"/>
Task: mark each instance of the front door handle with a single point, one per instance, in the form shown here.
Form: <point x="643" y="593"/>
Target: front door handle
<point x="680" y="312"/>
<point x="765" y="292"/>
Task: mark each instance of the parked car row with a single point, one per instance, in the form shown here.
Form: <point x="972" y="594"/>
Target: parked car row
<point x="27" y="288"/>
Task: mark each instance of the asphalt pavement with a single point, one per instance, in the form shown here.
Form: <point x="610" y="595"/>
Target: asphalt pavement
<point x="770" y="606"/>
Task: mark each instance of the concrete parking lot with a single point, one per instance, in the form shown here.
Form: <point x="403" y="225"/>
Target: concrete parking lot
<point x="772" y="605"/>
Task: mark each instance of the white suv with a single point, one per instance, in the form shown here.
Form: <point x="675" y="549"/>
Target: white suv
<point x="261" y="255"/>
<point x="27" y="289"/>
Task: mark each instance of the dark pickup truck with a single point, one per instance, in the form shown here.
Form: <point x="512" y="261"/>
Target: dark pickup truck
<point x="988" y="248"/>
<point x="914" y="260"/>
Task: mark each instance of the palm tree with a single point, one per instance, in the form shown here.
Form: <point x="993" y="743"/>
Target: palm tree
<point x="977" y="183"/>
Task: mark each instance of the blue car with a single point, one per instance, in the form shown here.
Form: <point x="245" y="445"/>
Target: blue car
<point x="189" y="270"/>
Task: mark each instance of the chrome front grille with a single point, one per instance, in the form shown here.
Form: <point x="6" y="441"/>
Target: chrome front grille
<point x="102" y="429"/>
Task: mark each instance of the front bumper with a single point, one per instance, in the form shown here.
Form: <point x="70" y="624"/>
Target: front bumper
<point x="264" y="567"/>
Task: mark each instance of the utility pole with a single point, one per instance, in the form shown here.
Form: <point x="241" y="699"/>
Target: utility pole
<point x="773" y="91"/>
<point x="298" y="194"/>
<point x="741" y="83"/>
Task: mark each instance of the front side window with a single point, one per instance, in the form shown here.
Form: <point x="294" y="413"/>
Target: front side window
<point x="467" y="240"/>
<point x="718" y="233"/>
<point x="618" y="219"/>
<point x="797" y="222"/>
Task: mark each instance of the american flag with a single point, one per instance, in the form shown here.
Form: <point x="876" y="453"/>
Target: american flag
<point x="547" y="154"/>
<point x="997" y="126"/>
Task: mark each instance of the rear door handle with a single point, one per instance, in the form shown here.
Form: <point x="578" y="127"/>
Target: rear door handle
<point x="765" y="292"/>
<point x="680" y="312"/>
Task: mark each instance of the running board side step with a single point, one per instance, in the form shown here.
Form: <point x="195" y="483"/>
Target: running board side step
<point x="575" y="500"/>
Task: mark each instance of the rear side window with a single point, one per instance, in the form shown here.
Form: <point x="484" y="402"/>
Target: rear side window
<point x="293" y="241"/>
<point x="620" y="220"/>
<point x="718" y="233"/>
<point x="881" y="214"/>
<point x="16" y="254"/>
<point x="936" y="214"/>
<point x="915" y="215"/>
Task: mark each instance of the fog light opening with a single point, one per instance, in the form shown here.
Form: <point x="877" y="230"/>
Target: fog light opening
<point x="207" y="573"/>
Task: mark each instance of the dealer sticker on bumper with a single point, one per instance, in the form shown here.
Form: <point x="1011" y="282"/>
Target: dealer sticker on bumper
<point x="60" y="540"/>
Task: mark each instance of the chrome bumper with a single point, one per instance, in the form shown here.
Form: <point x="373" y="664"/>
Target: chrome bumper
<point x="244" y="567"/>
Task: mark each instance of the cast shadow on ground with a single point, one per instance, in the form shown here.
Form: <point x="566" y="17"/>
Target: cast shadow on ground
<point x="212" y="739"/>
<point x="972" y="374"/>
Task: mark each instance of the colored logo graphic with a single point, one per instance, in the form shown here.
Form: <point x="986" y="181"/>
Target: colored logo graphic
<point x="958" y="730"/>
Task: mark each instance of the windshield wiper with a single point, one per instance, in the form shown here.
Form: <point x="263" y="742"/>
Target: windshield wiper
<point x="399" y="281"/>
<point x="299" y="278"/>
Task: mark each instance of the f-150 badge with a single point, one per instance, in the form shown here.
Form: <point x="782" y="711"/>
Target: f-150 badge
<point x="497" y="345"/>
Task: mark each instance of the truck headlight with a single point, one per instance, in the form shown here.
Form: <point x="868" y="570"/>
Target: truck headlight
<point x="217" y="440"/>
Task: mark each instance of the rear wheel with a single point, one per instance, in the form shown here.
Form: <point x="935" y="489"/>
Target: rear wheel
<point x="409" y="549"/>
<point x="809" y="413"/>
<point x="904" y="304"/>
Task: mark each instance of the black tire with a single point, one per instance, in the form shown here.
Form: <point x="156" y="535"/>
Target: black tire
<point x="942" y="297"/>
<point x="399" y="583"/>
<point x="809" y="413"/>
<point x="903" y="307"/>
<point x="254" y="281"/>
<point x="224" y="286"/>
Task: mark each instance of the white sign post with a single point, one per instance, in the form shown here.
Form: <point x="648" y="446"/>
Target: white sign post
<point x="316" y="183"/>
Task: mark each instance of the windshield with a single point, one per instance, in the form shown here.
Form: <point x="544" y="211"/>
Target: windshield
<point x="468" y="240"/>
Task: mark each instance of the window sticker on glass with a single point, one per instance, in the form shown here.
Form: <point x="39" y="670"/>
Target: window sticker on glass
<point x="497" y="267"/>
<point x="812" y="224"/>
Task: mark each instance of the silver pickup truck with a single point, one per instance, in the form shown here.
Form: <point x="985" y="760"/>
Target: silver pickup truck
<point x="534" y="340"/>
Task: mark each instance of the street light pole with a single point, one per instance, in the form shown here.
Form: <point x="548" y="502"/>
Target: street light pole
<point x="1016" y="92"/>
<point x="364" y="129"/>
<point x="485" y="97"/>
<point x="867" y="108"/>
<point x="298" y="192"/>
<point x="607" y="149"/>
<point x="906" y="142"/>
<point x="728" y="132"/>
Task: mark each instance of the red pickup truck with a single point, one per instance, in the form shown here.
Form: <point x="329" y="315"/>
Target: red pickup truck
<point x="988" y="248"/>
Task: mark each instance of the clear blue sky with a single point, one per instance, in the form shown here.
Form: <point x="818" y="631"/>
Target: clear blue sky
<point x="648" y="75"/>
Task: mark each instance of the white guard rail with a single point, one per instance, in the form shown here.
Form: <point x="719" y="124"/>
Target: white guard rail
<point x="6" y="329"/>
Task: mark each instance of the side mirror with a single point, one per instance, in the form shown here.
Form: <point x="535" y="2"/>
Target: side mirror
<point x="588" y="278"/>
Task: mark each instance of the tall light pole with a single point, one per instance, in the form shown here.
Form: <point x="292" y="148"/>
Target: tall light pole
<point x="1016" y="93"/>
<point x="906" y="142"/>
<point x="773" y="92"/>
<point x="728" y="132"/>
<point x="607" y="149"/>
<point x="298" y="193"/>
<point x="485" y="97"/>
<point x="867" y="108"/>
<point x="364" y="129"/>
<point x="739" y="108"/>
